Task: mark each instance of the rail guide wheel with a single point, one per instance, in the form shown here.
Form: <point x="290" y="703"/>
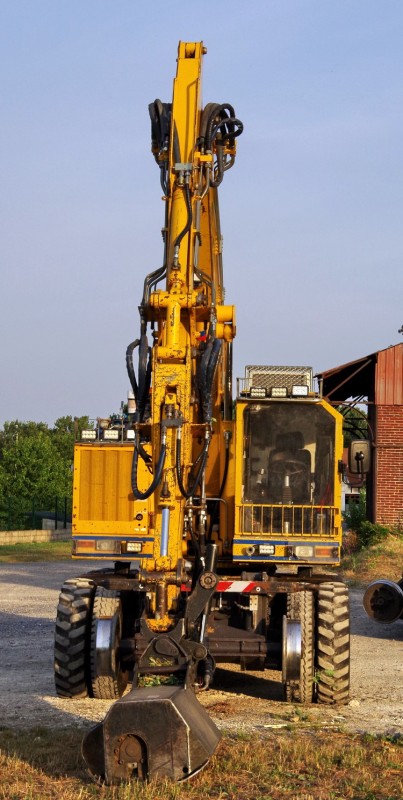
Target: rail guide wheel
<point x="300" y="687"/>
<point x="108" y="679"/>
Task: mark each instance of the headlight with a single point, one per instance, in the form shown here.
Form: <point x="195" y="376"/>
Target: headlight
<point x="134" y="547"/>
<point x="111" y="435"/>
<point x="88" y="435"/>
<point x="304" y="551"/>
<point x="299" y="391"/>
<point x="267" y="549"/>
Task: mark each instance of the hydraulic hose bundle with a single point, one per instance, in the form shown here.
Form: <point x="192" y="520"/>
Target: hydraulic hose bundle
<point x="219" y="128"/>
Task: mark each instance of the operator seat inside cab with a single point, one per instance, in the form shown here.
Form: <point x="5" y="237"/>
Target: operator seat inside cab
<point x="289" y="470"/>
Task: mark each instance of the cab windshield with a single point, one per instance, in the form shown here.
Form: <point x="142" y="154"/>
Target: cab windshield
<point x="288" y="454"/>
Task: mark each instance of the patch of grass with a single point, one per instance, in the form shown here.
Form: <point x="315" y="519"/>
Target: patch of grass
<point x="35" y="551"/>
<point x="42" y="764"/>
<point x="382" y="560"/>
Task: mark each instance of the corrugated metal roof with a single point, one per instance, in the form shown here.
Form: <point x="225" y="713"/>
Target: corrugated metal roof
<point x="379" y="376"/>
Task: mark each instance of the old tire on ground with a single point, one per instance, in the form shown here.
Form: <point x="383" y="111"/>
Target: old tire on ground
<point x="72" y="638"/>
<point x="333" y="644"/>
<point x="108" y="680"/>
<point x="300" y="606"/>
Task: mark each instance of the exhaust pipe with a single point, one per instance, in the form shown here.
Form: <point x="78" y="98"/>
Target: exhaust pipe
<point x="153" y="732"/>
<point x="383" y="601"/>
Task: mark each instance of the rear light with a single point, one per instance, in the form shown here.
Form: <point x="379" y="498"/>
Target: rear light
<point x="326" y="552"/>
<point x="113" y="546"/>
<point x="82" y="546"/>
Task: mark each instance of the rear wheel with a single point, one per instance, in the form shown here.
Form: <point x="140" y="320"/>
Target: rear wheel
<point x="333" y="644"/>
<point x="72" y="638"/>
<point x="300" y="607"/>
<point x="108" y="680"/>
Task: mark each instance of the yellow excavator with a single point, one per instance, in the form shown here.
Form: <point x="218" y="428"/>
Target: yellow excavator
<point x="221" y="516"/>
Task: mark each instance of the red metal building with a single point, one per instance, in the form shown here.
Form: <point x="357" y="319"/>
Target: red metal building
<point x="377" y="381"/>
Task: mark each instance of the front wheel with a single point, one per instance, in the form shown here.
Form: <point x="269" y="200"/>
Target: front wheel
<point x="333" y="644"/>
<point x="72" y="638"/>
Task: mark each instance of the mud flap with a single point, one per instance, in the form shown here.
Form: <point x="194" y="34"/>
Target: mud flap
<point x="160" y="731"/>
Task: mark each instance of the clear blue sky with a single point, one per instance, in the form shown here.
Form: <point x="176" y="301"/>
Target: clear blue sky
<point x="311" y="214"/>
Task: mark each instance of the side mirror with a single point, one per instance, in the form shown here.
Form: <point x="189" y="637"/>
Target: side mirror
<point x="359" y="456"/>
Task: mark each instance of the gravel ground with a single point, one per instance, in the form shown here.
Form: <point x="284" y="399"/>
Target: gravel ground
<point x="238" y="701"/>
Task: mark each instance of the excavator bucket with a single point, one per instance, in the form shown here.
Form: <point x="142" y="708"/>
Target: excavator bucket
<point x="154" y="732"/>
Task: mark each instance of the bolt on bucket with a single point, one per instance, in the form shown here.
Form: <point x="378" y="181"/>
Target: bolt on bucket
<point x="155" y="732"/>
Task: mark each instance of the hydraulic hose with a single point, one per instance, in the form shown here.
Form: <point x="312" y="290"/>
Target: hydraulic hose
<point x="144" y="377"/>
<point x="133" y="382"/>
<point x="160" y="115"/>
<point x="130" y="368"/>
<point x="201" y="459"/>
<point x="219" y="125"/>
<point x="157" y="477"/>
<point x="187" y="227"/>
<point x="213" y="515"/>
<point x="151" y="279"/>
<point x="206" y="376"/>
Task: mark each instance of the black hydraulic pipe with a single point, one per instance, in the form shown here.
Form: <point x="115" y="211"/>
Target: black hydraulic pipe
<point x="202" y="459"/>
<point x="129" y="366"/>
<point x="157" y="477"/>
<point x="208" y="378"/>
<point x="187" y="227"/>
<point x="214" y="515"/>
<point x="144" y="376"/>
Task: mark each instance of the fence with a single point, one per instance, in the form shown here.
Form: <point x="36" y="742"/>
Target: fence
<point x="18" y="514"/>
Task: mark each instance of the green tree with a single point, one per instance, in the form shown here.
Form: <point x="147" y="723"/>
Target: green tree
<point x="64" y="433"/>
<point x="13" y="431"/>
<point x="32" y="467"/>
<point x="32" y="474"/>
<point x="35" y="467"/>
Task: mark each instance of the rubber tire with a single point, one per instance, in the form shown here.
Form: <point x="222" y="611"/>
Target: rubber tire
<point x="107" y="687"/>
<point x="333" y="644"/>
<point x="300" y="606"/>
<point x="72" y="638"/>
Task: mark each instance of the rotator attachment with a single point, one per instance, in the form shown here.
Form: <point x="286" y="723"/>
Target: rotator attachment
<point x="153" y="732"/>
<point x="383" y="600"/>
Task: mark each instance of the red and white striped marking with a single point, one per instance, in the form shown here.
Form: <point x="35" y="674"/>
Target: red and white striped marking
<point x="239" y="587"/>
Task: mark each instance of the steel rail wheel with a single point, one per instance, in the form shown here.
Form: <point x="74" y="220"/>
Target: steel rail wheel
<point x="72" y="638"/>
<point x="107" y="677"/>
<point x="300" y="607"/>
